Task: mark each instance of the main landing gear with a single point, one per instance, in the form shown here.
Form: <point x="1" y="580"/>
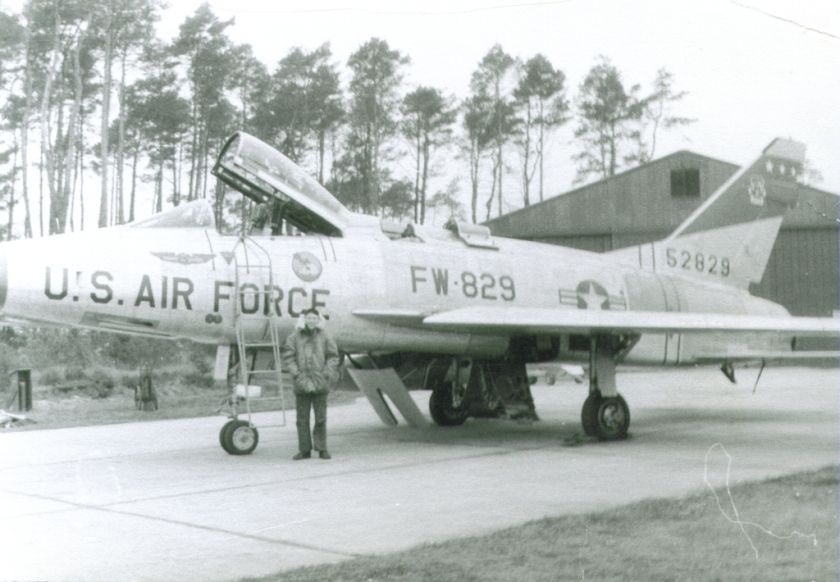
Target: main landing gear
<point x="447" y="404"/>
<point x="605" y="414"/>
<point x="463" y="387"/>
<point x="605" y="418"/>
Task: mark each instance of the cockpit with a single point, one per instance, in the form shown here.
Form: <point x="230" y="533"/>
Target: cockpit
<point x="287" y="196"/>
<point x="266" y="176"/>
<point x="195" y="214"/>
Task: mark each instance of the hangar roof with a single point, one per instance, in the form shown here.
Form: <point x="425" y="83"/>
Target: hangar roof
<point x="651" y="198"/>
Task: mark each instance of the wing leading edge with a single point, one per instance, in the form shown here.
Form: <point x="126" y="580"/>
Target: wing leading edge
<point x="541" y="321"/>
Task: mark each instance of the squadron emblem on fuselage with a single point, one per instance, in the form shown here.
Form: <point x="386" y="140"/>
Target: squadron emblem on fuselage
<point x="306" y="266"/>
<point x="757" y="191"/>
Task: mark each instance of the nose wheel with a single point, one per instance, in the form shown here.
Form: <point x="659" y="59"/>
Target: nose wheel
<point x="239" y="437"/>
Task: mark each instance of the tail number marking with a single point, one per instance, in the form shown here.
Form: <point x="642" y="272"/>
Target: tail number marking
<point x="699" y="262"/>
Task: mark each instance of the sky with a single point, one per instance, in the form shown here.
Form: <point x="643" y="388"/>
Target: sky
<point x="753" y="69"/>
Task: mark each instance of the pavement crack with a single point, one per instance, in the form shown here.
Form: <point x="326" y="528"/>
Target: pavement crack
<point x="170" y="521"/>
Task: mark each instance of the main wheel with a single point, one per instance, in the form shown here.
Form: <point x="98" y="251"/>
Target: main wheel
<point x="445" y="408"/>
<point x="589" y="414"/>
<point x="239" y="437"/>
<point x="606" y="418"/>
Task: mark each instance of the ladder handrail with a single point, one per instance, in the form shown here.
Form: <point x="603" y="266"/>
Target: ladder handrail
<point x="239" y="320"/>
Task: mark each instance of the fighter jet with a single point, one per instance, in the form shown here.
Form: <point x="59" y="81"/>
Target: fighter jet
<point x="462" y="308"/>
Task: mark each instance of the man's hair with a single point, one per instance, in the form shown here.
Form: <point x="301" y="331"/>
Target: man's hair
<point x="306" y="312"/>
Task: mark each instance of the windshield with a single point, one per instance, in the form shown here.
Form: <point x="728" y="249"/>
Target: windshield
<point x="195" y="214"/>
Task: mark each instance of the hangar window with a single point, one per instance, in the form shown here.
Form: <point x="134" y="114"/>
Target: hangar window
<point x="685" y="183"/>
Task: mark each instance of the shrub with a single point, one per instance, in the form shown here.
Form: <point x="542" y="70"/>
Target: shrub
<point x="75" y="373"/>
<point x="202" y="357"/>
<point x="102" y="383"/>
<point x="198" y="379"/>
<point x="50" y="377"/>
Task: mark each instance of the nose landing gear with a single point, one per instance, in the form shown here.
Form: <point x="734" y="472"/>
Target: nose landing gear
<point x="239" y="437"/>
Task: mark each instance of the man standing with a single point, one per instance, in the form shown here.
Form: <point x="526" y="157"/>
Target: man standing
<point x="311" y="357"/>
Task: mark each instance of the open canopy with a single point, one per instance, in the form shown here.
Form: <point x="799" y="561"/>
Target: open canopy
<point x="263" y="174"/>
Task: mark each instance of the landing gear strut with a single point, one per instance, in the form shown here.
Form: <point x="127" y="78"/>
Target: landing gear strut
<point x="605" y="413"/>
<point x="464" y="387"/>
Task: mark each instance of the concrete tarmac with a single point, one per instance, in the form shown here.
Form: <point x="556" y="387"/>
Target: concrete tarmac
<point x="161" y="501"/>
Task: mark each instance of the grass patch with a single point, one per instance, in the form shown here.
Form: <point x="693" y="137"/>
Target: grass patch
<point x="680" y="539"/>
<point x="174" y="401"/>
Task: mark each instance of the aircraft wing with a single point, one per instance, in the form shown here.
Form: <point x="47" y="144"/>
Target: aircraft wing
<point x="767" y="356"/>
<point x="542" y="321"/>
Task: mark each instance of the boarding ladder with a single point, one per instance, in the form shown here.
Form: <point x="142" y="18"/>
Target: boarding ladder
<point x="256" y="332"/>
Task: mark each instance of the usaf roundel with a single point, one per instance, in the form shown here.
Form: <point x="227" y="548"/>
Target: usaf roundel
<point x="306" y="266"/>
<point x="592" y="295"/>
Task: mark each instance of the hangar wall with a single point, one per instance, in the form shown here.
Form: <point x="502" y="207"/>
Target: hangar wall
<point x="648" y="202"/>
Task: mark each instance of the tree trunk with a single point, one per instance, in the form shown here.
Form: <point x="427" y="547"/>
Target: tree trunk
<point x="492" y="190"/>
<point x="46" y="150"/>
<point x="106" y="114"/>
<point x="205" y="167"/>
<point x="121" y="142"/>
<point x="176" y="196"/>
<point x="133" y="185"/>
<point x="81" y="171"/>
<point x="24" y="131"/>
<point x="159" y="187"/>
<point x="321" y="140"/>
<point x="72" y="126"/>
<point x="526" y="178"/>
<point x="499" y="143"/>
<point x="541" y="146"/>
<point x="475" y="160"/>
<point x="16" y="146"/>
<point x="417" y="214"/>
<point x="500" y="170"/>
<point x="425" y="181"/>
<point x="194" y="144"/>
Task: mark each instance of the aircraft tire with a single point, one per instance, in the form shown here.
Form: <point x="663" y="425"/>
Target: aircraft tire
<point x="589" y="414"/>
<point x="612" y="419"/>
<point x="239" y="437"/>
<point x="442" y="411"/>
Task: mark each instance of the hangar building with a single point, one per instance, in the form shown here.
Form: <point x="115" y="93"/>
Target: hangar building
<point x="646" y="203"/>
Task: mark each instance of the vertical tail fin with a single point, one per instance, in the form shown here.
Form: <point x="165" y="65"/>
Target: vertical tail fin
<point x="728" y="239"/>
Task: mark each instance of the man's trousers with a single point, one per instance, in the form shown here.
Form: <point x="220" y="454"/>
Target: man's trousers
<point x="318" y="403"/>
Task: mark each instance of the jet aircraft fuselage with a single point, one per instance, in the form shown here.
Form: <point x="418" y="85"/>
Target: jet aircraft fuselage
<point x="179" y="280"/>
